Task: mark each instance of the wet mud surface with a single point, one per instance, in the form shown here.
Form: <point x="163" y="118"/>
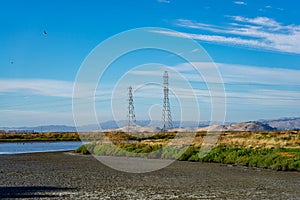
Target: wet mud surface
<point x="64" y="175"/>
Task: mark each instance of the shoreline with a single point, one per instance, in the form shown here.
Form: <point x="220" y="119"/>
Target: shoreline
<point x="37" y="152"/>
<point x="27" y="140"/>
<point x="36" y="141"/>
<point x="73" y="153"/>
<point x="57" y="175"/>
<point x="37" y="147"/>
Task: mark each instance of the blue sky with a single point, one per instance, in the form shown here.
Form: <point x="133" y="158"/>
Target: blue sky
<point x="255" y="45"/>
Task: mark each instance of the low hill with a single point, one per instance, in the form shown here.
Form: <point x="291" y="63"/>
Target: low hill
<point x="139" y="129"/>
<point x="284" y="123"/>
<point x="244" y="126"/>
<point x="249" y="126"/>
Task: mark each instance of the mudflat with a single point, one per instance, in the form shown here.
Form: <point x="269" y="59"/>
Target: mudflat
<point x="65" y="175"/>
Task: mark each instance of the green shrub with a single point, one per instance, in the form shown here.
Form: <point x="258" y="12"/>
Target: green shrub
<point x="82" y="149"/>
<point x="277" y="159"/>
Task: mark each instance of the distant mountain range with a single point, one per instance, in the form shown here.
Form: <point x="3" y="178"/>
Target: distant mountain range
<point x="279" y="124"/>
<point x="283" y="123"/>
<point x="105" y="125"/>
<point x="48" y="128"/>
<point x="244" y="126"/>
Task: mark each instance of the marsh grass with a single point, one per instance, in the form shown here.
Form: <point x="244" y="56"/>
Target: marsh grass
<point x="278" y="150"/>
<point x="277" y="159"/>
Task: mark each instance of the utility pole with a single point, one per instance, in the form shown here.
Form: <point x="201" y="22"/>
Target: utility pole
<point x="166" y="112"/>
<point x="131" y="113"/>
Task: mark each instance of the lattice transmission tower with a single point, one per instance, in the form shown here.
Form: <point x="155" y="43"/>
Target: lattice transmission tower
<point x="131" y="113"/>
<point x="166" y="112"/>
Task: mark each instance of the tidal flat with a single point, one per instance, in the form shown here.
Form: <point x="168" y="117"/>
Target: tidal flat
<point x="65" y="175"/>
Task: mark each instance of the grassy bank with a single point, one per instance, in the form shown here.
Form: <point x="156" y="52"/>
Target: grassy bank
<point x="274" y="150"/>
<point x="16" y="137"/>
<point x="277" y="159"/>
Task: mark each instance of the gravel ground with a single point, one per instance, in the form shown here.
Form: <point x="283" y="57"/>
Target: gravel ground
<point x="64" y="175"/>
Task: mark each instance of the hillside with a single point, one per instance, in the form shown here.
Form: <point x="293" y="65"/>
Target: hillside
<point x="249" y="126"/>
<point x="284" y="123"/>
<point x="139" y="129"/>
<point x="244" y="126"/>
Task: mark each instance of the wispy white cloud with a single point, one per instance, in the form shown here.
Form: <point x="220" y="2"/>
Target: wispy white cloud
<point x="263" y="21"/>
<point x="259" y="75"/>
<point x="260" y="33"/>
<point x="240" y="2"/>
<point x="164" y="1"/>
<point x="34" y="118"/>
<point x="217" y="39"/>
<point x="231" y="73"/>
<point x="42" y="87"/>
<point x="261" y="87"/>
<point x="243" y="84"/>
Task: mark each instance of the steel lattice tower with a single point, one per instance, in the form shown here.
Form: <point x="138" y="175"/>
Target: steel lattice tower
<point x="131" y="113"/>
<point x="166" y="112"/>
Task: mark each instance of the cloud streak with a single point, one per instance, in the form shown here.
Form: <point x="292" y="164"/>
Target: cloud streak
<point x="34" y="118"/>
<point x="240" y="3"/>
<point x="259" y="33"/>
<point x="231" y="74"/>
<point x="216" y="39"/>
<point x="259" y="75"/>
<point x="163" y="1"/>
<point x="246" y="84"/>
<point x="42" y="87"/>
<point x="245" y="87"/>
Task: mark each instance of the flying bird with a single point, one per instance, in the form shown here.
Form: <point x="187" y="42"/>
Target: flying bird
<point x="45" y="33"/>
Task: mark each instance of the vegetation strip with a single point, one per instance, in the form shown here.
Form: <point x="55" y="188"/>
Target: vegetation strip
<point x="16" y="137"/>
<point x="277" y="159"/>
<point x="274" y="150"/>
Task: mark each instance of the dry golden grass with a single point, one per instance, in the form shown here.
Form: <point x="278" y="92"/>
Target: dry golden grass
<point x="39" y="136"/>
<point x="257" y="140"/>
<point x="273" y="139"/>
<point x="286" y="154"/>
